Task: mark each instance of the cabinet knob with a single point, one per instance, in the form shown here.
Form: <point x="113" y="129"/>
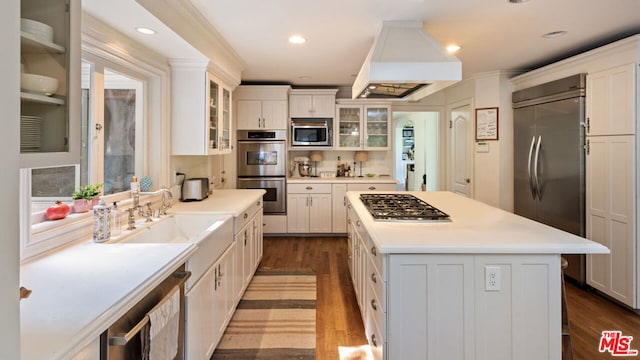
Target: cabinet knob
<point x="309" y="187"/>
<point x="245" y="216"/>
<point x="374" y="278"/>
<point x="372" y="187"/>
<point x="358" y="223"/>
<point x="374" y="305"/>
<point x="258" y="203"/>
<point x="374" y="251"/>
<point x="374" y="341"/>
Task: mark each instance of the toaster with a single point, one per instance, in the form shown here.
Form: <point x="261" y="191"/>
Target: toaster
<point x="195" y="189"/>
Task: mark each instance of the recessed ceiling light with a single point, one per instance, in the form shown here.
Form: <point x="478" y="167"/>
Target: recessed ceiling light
<point x="146" y="31"/>
<point x="297" y="39"/>
<point x="554" y="34"/>
<point x="518" y="1"/>
<point x="453" y="48"/>
<point x="304" y="77"/>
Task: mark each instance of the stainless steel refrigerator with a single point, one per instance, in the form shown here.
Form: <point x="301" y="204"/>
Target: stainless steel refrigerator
<point x="549" y="158"/>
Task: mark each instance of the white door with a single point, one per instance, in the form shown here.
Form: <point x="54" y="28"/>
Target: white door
<point x="461" y="145"/>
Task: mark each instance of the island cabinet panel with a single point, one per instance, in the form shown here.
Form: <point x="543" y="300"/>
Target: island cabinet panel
<point x="440" y="308"/>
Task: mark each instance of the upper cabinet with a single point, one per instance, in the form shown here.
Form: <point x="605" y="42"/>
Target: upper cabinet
<point x="50" y="83"/>
<point x="259" y="107"/>
<point x="611" y="98"/>
<point x="200" y="111"/>
<point x="362" y="126"/>
<point x="312" y="103"/>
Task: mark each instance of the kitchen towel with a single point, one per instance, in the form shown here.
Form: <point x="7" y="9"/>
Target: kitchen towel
<point x="163" y="329"/>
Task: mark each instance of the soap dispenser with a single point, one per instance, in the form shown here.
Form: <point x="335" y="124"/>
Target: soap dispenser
<point x="115" y="219"/>
<point x="101" y="222"/>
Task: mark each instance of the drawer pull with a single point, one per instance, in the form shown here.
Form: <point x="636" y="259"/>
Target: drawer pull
<point x="309" y="187"/>
<point x="374" y="251"/>
<point x="373" y="340"/>
<point x="374" y="278"/>
<point x="374" y="305"/>
<point x="372" y="187"/>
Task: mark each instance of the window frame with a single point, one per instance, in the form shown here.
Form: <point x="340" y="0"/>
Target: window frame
<point x="129" y="57"/>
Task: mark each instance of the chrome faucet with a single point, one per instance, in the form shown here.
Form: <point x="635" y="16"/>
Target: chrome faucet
<point x="166" y="195"/>
<point x="131" y="220"/>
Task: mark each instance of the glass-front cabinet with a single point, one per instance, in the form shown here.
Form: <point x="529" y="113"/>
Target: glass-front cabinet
<point x="50" y="82"/>
<point x="362" y="126"/>
<point x="201" y="117"/>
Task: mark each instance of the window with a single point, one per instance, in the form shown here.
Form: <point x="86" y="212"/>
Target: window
<point x="115" y="138"/>
<point x="116" y="130"/>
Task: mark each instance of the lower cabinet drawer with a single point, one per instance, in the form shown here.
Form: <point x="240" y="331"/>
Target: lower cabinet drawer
<point x="375" y="337"/>
<point x="374" y="308"/>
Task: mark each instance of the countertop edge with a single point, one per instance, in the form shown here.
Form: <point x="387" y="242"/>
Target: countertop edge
<point x="587" y="247"/>
<point x="94" y="329"/>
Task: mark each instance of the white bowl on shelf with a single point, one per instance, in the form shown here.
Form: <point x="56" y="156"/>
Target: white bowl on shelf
<point x="37" y="29"/>
<point x="39" y="83"/>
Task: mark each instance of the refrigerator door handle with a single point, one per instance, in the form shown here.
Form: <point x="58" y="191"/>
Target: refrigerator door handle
<point x="535" y="168"/>
<point x="531" y="184"/>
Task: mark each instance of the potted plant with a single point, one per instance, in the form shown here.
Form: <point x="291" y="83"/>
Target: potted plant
<point x="85" y="197"/>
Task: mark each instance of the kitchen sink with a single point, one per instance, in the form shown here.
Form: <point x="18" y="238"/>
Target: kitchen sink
<point x="173" y="228"/>
<point x="211" y="233"/>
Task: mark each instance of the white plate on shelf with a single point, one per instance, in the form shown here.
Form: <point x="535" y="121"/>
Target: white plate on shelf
<point x="38" y="29"/>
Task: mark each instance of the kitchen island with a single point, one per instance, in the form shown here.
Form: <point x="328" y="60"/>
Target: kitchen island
<point x="482" y="284"/>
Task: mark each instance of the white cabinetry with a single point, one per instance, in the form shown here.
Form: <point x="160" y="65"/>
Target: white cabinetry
<point x="50" y="123"/>
<point x="224" y="299"/>
<point x="200" y="109"/>
<point x="312" y="103"/>
<point x="612" y="181"/>
<point x="209" y="307"/>
<point x="261" y="107"/>
<point x="209" y="293"/>
<point x="362" y="126"/>
<point x="248" y="238"/>
<point x="611" y="219"/>
<point x="339" y="208"/>
<point x="309" y="208"/>
<point x="611" y="101"/>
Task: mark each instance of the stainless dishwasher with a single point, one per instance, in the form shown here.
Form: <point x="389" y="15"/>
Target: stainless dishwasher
<point x="121" y="341"/>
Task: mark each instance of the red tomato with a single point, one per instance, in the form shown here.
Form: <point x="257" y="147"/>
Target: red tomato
<point x="59" y="210"/>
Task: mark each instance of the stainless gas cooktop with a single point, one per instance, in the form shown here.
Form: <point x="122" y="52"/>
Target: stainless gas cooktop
<point x="401" y="207"/>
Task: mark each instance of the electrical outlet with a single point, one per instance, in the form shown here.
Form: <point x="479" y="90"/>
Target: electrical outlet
<point x="492" y="278"/>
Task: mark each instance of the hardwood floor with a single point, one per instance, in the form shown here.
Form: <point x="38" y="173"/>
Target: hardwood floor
<point x="590" y="314"/>
<point x="338" y="317"/>
<point x="338" y="321"/>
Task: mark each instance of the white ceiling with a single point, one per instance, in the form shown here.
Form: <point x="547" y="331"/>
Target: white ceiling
<point x="494" y="34"/>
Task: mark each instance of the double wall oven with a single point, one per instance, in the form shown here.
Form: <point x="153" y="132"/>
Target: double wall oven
<point x="262" y="164"/>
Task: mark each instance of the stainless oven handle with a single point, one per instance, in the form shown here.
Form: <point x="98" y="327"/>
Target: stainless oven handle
<point x="122" y="340"/>
<point x="278" y="178"/>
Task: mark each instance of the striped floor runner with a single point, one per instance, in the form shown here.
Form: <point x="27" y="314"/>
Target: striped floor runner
<point x="276" y="319"/>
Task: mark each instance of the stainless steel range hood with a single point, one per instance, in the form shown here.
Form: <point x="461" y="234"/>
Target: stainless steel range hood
<point x="405" y="63"/>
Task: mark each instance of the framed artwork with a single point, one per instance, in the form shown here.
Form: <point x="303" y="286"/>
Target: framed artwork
<point x="487" y="124"/>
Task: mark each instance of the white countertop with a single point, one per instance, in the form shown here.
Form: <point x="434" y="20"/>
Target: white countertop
<point x="342" y="180"/>
<point x="474" y="228"/>
<point x="80" y="290"/>
<point x="232" y="202"/>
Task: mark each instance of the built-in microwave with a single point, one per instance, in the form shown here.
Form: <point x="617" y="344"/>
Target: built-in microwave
<point x="311" y="132"/>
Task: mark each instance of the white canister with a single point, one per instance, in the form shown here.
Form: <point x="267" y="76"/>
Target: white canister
<point x="101" y="222"/>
